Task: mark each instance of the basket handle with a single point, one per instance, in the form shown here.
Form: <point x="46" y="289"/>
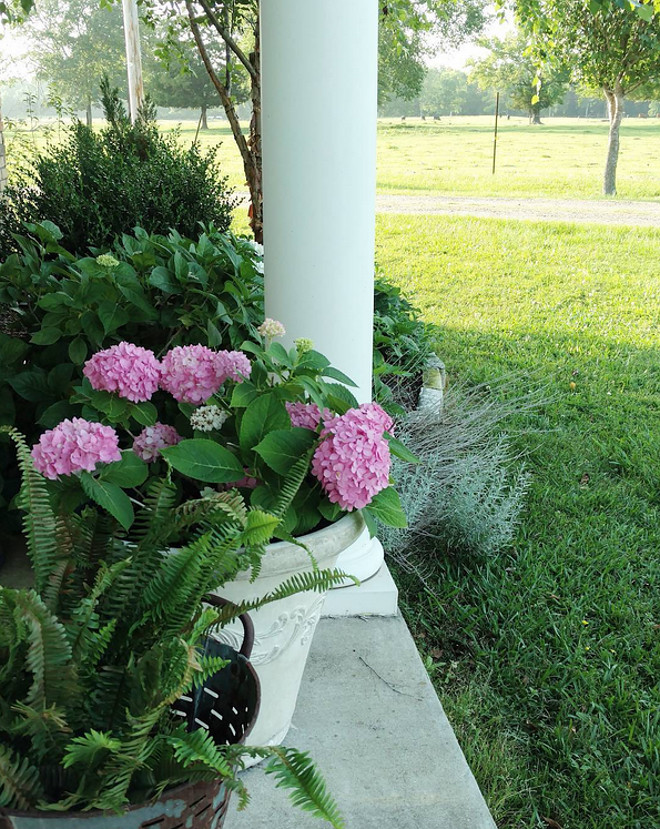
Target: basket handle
<point x="248" y="627"/>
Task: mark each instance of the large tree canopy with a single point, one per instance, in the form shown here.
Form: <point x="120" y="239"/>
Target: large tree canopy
<point x="410" y="31"/>
<point x="510" y="69"/>
<point x="407" y="31"/>
<point x="76" y="44"/>
<point x="603" y="44"/>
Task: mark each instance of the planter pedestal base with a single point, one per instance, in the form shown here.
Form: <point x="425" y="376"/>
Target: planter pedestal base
<point x="363" y="559"/>
<point x="376" y="597"/>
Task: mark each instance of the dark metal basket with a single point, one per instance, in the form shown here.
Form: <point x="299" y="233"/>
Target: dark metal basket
<point x="228" y="703"/>
<point x="227" y="706"/>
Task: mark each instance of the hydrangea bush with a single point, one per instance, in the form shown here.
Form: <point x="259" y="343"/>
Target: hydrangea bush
<point x="157" y="292"/>
<point x="219" y="419"/>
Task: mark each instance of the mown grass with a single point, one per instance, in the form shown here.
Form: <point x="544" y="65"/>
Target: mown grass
<point x="564" y="158"/>
<point x="547" y="657"/>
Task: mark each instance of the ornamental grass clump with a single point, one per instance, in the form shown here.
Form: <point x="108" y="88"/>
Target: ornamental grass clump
<point x="111" y="635"/>
<point x="467" y="490"/>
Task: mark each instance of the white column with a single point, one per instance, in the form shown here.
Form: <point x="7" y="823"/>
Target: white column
<point x="319" y="93"/>
<point x="133" y="57"/>
<point x="319" y="108"/>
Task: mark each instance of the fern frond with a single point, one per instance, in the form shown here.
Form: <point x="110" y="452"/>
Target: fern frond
<point x="292" y="484"/>
<point x="294" y="770"/>
<point x="318" y="581"/>
<point x="170" y="583"/>
<point x="47" y="728"/>
<point x="39" y="526"/>
<point x="66" y="544"/>
<point x="91" y="749"/>
<point x="20" y="787"/>
<point x="109" y="698"/>
<point x="219" y="506"/>
<point x="49" y="653"/>
<point x="209" y="666"/>
<point x="155" y="520"/>
<point x="136" y="750"/>
<point x="191" y="747"/>
<point x="84" y="628"/>
<point x="13" y="636"/>
<point x="259" y="528"/>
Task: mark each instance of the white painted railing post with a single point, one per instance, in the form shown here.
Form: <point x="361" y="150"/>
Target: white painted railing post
<point x="319" y="109"/>
<point x="133" y="57"/>
<point x="3" y="157"/>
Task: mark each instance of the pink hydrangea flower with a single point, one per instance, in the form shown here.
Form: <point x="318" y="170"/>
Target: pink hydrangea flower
<point x="74" y="445"/>
<point x="190" y="374"/>
<point x="306" y="415"/>
<point x="353" y="462"/>
<point x="369" y="417"/>
<point x="129" y="370"/>
<point x="233" y="365"/>
<point x="248" y="482"/>
<point x="152" y="439"/>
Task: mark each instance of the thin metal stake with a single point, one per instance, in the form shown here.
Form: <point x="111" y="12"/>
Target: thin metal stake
<point x="497" y="112"/>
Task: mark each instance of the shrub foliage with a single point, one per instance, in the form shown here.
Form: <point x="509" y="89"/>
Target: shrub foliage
<point x="96" y="185"/>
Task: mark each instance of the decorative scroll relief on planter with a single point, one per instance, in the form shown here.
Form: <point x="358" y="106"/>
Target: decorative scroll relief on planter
<point x="284" y="629"/>
<point x="289" y="629"/>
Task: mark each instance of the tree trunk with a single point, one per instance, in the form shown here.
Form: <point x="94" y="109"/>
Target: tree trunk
<point x="256" y="191"/>
<point x="89" y="111"/>
<point x="205" y="121"/>
<point x="250" y="150"/>
<point x="3" y="157"/>
<point x="535" y="114"/>
<point x="614" y="98"/>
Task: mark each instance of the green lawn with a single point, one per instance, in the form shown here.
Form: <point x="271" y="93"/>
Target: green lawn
<point x="547" y="657"/>
<point x="564" y="158"/>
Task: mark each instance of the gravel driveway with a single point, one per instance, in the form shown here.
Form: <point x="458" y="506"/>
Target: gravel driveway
<point x="605" y="211"/>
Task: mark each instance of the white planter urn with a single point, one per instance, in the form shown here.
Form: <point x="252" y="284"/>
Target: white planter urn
<point x="284" y="629"/>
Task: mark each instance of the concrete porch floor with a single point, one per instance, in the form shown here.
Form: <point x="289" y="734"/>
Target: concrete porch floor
<point x="370" y="718"/>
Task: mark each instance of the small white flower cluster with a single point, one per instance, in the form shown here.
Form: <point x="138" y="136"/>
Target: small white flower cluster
<point x="271" y="328"/>
<point x="107" y="261"/>
<point x="208" y="418"/>
<point x="303" y="345"/>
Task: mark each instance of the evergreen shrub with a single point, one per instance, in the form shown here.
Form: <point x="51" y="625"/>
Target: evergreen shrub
<point x="96" y="185"/>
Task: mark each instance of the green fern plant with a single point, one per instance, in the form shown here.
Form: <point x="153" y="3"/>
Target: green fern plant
<point x="110" y="636"/>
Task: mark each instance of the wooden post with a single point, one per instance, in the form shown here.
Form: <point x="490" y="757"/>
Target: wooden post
<point x="3" y="157"/>
<point x="133" y="58"/>
<point x="497" y="112"/>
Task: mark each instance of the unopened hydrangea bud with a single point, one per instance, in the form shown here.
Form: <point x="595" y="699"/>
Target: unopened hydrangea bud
<point x="107" y="261"/>
<point x="303" y="345"/>
<point x="271" y="328"/>
<point x="208" y="418"/>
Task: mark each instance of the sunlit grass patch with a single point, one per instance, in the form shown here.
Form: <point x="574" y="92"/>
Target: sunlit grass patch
<point x="553" y="648"/>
